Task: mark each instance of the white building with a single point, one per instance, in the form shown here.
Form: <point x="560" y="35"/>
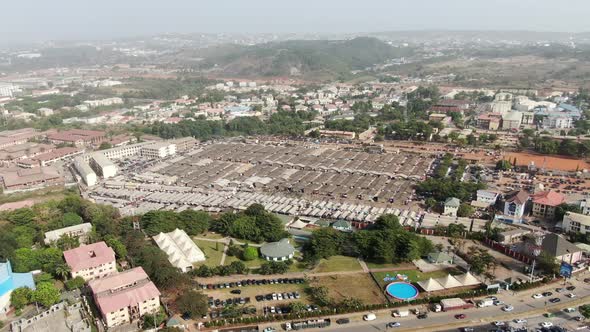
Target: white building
<point x="124" y="151"/>
<point x="181" y="250"/>
<point x="556" y="121"/>
<point x="511" y="120"/>
<point x="102" y="165"/>
<point x="451" y="206"/>
<point x="576" y="223"/>
<point x="487" y="197"/>
<point x="85" y="171"/>
<point x="585" y="206"/>
<point x="158" y="150"/>
<point x="78" y="231"/>
<point x="92" y="261"/>
<point x="104" y="102"/>
<point x="8" y="89"/>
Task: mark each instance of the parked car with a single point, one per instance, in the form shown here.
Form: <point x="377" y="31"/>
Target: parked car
<point x="570" y="288"/>
<point x="508" y="308"/>
<point x="555" y="300"/>
<point x="546" y="294"/>
<point x="460" y="316"/>
<point x="546" y="324"/>
<point x="499" y="323"/>
<point x="520" y="321"/>
<point x="537" y="296"/>
<point x="342" y="321"/>
<point x="236" y="291"/>
<point x="422" y="316"/>
<point x="571" y="295"/>
<point x="569" y="310"/>
<point x="369" y="317"/>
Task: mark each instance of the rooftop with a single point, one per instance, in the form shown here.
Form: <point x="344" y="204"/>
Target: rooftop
<point x="558" y="246"/>
<point x="88" y="256"/>
<point x="278" y="249"/>
<point x="550" y="198"/>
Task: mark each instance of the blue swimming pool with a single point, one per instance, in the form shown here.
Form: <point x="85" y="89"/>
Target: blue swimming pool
<point x="402" y="291"/>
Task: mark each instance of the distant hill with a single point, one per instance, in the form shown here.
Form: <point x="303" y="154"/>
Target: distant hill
<point x="315" y="59"/>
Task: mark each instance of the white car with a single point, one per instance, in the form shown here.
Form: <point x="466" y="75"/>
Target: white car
<point x="537" y="296"/>
<point x="546" y="324"/>
<point x="369" y="317"/>
<point x="499" y="323"/>
<point x="569" y="309"/>
<point x="571" y="295"/>
<point x="508" y="308"/>
<point x="498" y="302"/>
<point x="520" y="321"/>
<point x="269" y="329"/>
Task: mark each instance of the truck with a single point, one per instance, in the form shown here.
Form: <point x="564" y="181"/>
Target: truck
<point x="487" y="302"/>
<point x="400" y="313"/>
<point x="436" y="307"/>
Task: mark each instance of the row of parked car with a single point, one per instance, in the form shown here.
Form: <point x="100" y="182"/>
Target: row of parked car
<point x="286" y="309"/>
<point x="222" y="303"/>
<point x="220" y="314"/>
<point x="278" y="296"/>
<point x="253" y="282"/>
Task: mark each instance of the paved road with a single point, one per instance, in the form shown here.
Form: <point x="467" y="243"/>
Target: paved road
<point x="524" y="307"/>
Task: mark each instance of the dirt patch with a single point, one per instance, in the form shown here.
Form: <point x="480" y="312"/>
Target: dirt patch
<point x="359" y="286"/>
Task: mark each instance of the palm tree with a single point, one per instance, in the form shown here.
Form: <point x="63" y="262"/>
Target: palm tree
<point x="63" y="271"/>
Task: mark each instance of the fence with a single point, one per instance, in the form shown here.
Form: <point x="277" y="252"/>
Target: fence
<point x="507" y="251"/>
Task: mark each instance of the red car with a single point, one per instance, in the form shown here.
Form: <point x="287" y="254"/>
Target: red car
<point x="460" y="316"/>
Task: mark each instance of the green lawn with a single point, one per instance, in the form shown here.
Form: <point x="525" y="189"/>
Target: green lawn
<point x="213" y="252"/>
<point x="413" y="275"/>
<point x="211" y="235"/>
<point x="338" y="263"/>
<point x="372" y="265"/>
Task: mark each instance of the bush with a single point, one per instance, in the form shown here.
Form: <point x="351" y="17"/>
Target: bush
<point x="75" y="283"/>
<point x="250" y="253"/>
<point x="274" y="268"/>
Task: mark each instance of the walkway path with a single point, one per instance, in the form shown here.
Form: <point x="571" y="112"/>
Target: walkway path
<point x="224" y="255"/>
<point x="363" y="265"/>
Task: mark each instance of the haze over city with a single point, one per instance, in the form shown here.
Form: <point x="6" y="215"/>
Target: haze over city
<point x="32" y="20"/>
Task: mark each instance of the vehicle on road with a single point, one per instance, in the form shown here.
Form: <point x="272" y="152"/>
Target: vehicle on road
<point x="546" y="324"/>
<point x="422" y="316"/>
<point x="393" y="324"/>
<point x="460" y="316"/>
<point x="498" y="323"/>
<point x="537" y="296"/>
<point x="269" y="329"/>
<point x="436" y="307"/>
<point x="468" y="329"/>
<point x="369" y="317"/>
<point x="485" y="302"/>
<point x="555" y="300"/>
<point x="520" y="321"/>
<point x="342" y="321"/>
<point x="498" y="302"/>
<point x="508" y="308"/>
<point x="400" y="313"/>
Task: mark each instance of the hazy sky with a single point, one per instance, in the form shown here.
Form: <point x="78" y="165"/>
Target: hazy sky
<point x="37" y="20"/>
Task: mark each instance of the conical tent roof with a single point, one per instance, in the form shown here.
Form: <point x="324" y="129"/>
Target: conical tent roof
<point x="430" y="285"/>
<point x="449" y="282"/>
<point x="468" y="279"/>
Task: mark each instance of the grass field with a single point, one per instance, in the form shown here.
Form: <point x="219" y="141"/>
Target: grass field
<point x="338" y="263"/>
<point x="357" y="285"/>
<point x="213" y="252"/>
<point x="372" y="265"/>
<point x="413" y="275"/>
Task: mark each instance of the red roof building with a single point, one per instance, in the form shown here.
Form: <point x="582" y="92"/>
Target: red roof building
<point x="544" y="204"/>
<point x="125" y="297"/>
<point x="93" y="261"/>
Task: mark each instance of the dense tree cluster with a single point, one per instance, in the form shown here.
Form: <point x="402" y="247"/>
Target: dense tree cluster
<point x="288" y="123"/>
<point x="386" y="242"/>
<point x="192" y="222"/>
<point x="254" y="224"/>
<point x="548" y="145"/>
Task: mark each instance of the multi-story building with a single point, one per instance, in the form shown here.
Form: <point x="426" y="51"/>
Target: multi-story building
<point x="184" y="144"/>
<point x="104" y="102"/>
<point x="557" y="121"/>
<point x="158" y="150"/>
<point x="8" y="89"/>
<point x="511" y="120"/>
<point x="50" y="157"/>
<point x="576" y="223"/>
<point x="85" y="171"/>
<point x="515" y="205"/>
<point x="78" y="231"/>
<point x="78" y="137"/>
<point x="585" y="206"/>
<point x="489" y="121"/>
<point x="451" y="206"/>
<point x="544" y="204"/>
<point x="487" y="197"/>
<point x="125" y="297"/>
<point x="92" y="261"/>
<point x="102" y="165"/>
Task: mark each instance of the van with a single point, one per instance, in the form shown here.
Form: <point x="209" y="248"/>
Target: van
<point x="369" y="317"/>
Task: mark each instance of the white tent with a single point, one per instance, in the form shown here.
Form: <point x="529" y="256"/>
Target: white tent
<point x="181" y="250"/>
<point x="467" y="279"/>
<point x="449" y="282"/>
<point x="430" y="285"/>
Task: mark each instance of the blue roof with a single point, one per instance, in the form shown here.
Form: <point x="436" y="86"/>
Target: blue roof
<point x="569" y="108"/>
<point x="10" y="281"/>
